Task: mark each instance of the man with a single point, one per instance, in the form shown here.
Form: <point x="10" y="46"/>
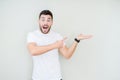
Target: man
<point x="44" y="45"/>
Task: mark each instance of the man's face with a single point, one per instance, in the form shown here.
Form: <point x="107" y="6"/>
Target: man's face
<point x="45" y="23"/>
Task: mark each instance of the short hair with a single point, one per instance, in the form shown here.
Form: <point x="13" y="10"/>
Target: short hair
<point x="46" y="12"/>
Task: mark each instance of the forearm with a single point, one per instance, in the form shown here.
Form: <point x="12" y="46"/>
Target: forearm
<point x="68" y="52"/>
<point x="71" y="49"/>
<point x="38" y="50"/>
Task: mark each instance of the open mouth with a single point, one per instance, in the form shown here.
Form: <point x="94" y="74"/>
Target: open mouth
<point x="45" y="27"/>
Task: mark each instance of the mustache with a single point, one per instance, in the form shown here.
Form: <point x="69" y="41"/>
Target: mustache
<point x="45" y="25"/>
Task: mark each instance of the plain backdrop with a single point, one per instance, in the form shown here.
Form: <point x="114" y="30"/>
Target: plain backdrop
<point x="95" y="59"/>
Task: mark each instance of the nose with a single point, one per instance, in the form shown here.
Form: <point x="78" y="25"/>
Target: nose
<point x="46" y="22"/>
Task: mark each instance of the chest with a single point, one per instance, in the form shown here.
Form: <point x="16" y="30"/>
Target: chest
<point x="45" y="40"/>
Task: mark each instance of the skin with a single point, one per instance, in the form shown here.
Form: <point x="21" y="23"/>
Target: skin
<point x="45" y="23"/>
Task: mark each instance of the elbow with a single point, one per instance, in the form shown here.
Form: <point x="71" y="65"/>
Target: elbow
<point x="33" y="53"/>
<point x="68" y="57"/>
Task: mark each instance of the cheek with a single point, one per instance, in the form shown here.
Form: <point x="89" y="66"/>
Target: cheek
<point x="50" y="23"/>
<point x="40" y="23"/>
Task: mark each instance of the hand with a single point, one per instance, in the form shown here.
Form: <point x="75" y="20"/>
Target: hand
<point x="82" y="37"/>
<point x="60" y="43"/>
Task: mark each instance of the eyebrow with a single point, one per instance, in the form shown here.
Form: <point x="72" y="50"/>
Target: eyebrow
<point x="44" y="17"/>
<point x="49" y="18"/>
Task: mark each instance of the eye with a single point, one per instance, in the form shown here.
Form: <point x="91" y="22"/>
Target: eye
<point x="48" y="20"/>
<point x="43" y="20"/>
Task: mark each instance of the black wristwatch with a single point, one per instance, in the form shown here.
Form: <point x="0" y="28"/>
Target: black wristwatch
<point x="77" y="40"/>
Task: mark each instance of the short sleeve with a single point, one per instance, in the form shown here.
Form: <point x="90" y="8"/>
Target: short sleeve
<point x="30" y="38"/>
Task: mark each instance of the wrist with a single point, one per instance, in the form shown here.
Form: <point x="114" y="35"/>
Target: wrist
<point x="77" y="40"/>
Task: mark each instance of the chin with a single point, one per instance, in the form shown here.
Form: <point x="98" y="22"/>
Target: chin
<point x="45" y="31"/>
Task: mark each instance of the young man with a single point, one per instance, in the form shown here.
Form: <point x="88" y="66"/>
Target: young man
<point x="44" y="45"/>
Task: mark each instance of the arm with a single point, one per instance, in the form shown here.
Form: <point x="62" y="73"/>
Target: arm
<point x="38" y="50"/>
<point x="68" y="52"/>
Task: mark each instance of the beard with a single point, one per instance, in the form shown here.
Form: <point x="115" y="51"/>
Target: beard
<point x="45" y="29"/>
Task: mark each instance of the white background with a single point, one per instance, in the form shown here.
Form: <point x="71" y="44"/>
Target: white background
<point x="95" y="59"/>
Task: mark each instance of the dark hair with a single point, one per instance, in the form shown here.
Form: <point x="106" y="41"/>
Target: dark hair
<point x="46" y="12"/>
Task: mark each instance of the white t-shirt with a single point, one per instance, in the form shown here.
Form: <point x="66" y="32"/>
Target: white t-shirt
<point x="45" y="66"/>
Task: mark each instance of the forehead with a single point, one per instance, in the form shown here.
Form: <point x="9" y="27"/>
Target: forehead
<point x="45" y="16"/>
